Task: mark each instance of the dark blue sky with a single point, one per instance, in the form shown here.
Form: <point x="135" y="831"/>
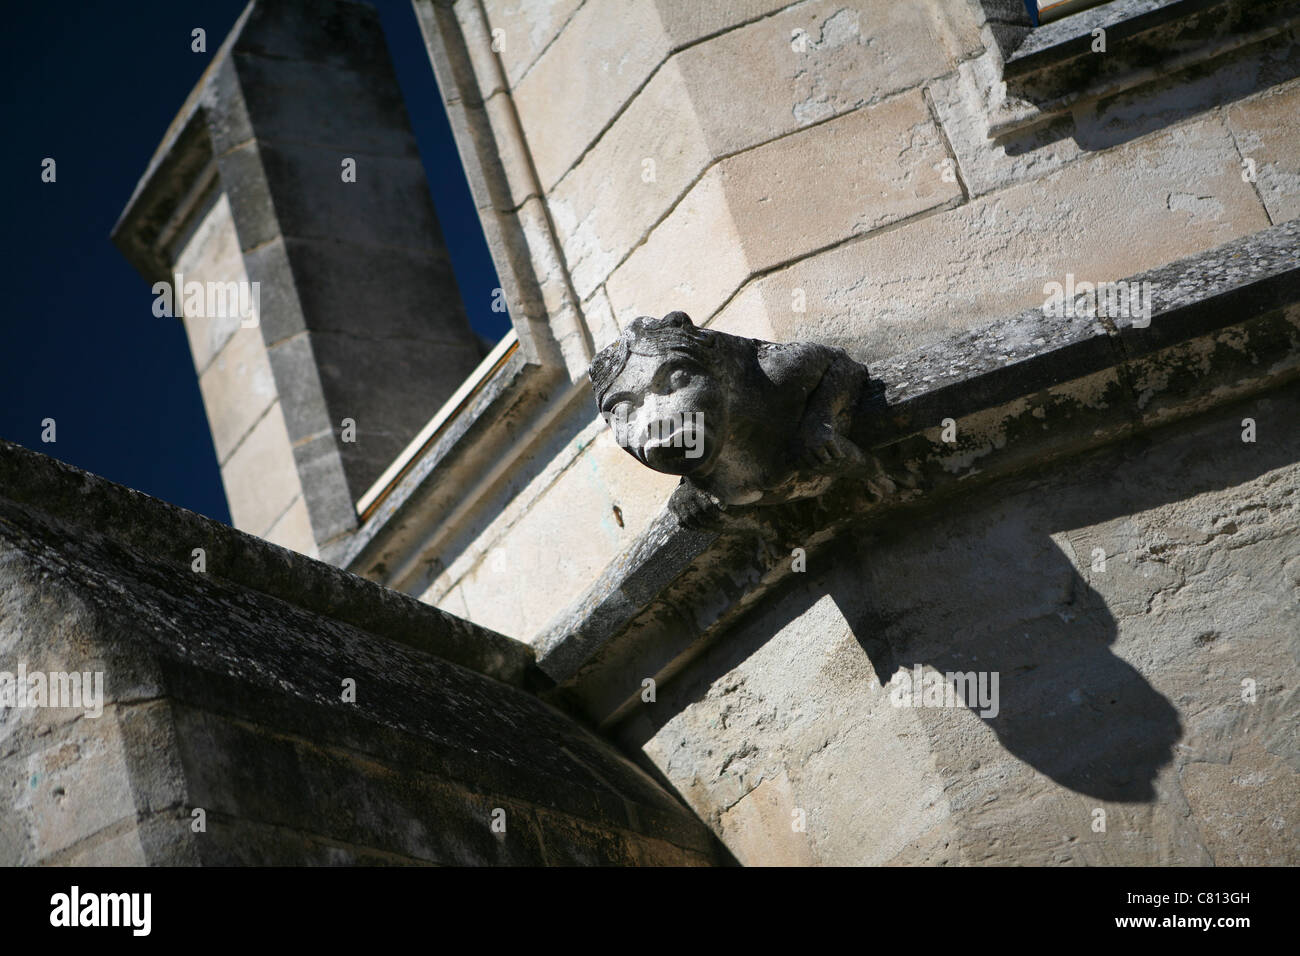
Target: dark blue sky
<point x="94" y="85"/>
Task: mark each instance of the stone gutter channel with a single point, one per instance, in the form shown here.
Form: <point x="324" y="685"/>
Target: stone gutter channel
<point x="1021" y="392"/>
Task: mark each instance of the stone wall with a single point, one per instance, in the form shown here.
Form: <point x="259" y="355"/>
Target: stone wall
<point x="808" y="170"/>
<point x="900" y="180"/>
<point x="225" y="734"/>
<point x="1122" y="683"/>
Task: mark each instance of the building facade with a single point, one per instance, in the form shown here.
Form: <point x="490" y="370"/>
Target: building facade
<point x="1070" y="253"/>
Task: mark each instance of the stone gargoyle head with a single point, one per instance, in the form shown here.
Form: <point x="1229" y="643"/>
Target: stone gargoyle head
<point x="662" y="387"/>
<point x="741" y="420"/>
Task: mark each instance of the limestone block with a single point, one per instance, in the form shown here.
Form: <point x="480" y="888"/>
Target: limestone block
<point x="259" y="476"/>
<point x="283" y="96"/>
<point x="244" y="180"/>
<point x="748" y="314"/>
<point x="1267" y="130"/>
<point x="527" y="28"/>
<point x="1179" y="191"/>
<point x="211" y="254"/>
<point x="281" y="311"/>
<point x="845" y="177"/>
<point x="853" y="54"/>
<point x="294" y="364"/>
<point x="764" y="827"/>
<point x="482" y="49"/>
<point x="330" y="502"/>
<point x="630" y="179"/>
<point x="237" y="389"/>
<point x="985" y="164"/>
<point x="296" y="32"/>
<point x="225" y="697"/>
<point x="959" y="26"/>
<point x="600" y="319"/>
<point x="686" y="21"/>
<point x="73" y="784"/>
<point x="678" y="123"/>
<point x="419" y="375"/>
<point x="388" y="204"/>
<point x="783" y="200"/>
<point x="669" y="272"/>
<point x="550" y="271"/>
<point x="584" y="78"/>
<point x="120" y="849"/>
<point x="508" y="146"/>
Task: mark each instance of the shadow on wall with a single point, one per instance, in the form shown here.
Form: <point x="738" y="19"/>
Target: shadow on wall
<point x="978" y="584"/>
<point x="1065" y="704"/>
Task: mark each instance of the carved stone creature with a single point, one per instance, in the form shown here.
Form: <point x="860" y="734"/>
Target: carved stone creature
<point x="744" y="422"/>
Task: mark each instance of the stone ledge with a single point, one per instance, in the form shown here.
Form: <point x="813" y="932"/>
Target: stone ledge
<point x="1071" y="36"/>
<point x="1022" y="392"/>
<point x="1048" y="71"/>
<point x="224" y="692"/>
<point x="167" y="534"/>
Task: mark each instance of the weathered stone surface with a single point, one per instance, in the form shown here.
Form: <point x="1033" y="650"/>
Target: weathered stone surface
<point x="650" y="156"/>
<point x="600" y="480"/>
<point x="780" y="201"/>
<point x="153" y="527"/>
<point x="984" y="164"/>
<point x="677" y="124"/>
<point x="793" y="672"/>
<point x="577" y="86"/>
<point x="853" y="54"/>
<point x="878" y="297"/>
<point x="281" y="96"/>
<point x="1019" y="392"/>
<point x="211" y="254"/>
<point x="353" y="273"/>
<point x="1106" y="677"/>
<point x="1267" y="129"/>
<point x="742" y="422"/>
<point x="237" y="389"/>
<point x="764" y="827"/>
<point x="259" y="477"/>
<point x="527" y="28"/>
<point x="222" y="697"/>
<point x="668" y="272"/>
<point x="292" y="530"/>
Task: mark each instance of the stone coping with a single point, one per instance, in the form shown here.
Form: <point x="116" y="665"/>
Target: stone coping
<point x="1050" y="70"/>
<point x="165" y="533"/>
<point x="1022" y="391"/>
<point x="1071" y="36"/>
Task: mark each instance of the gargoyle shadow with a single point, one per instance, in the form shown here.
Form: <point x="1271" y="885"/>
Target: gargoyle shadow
<point x="1066" y="704"/>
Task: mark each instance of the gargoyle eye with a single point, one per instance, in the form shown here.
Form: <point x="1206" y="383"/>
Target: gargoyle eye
<point x="679" y="379"/>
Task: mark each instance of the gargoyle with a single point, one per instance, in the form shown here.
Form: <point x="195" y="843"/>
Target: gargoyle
<point x="744" y="422"/>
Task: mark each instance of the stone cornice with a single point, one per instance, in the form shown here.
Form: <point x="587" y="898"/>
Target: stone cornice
<point x="1021" y="392"/>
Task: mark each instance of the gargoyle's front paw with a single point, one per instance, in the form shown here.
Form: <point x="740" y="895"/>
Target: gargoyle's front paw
<point x="829" y="448"/>
<point x="695" y="508"/>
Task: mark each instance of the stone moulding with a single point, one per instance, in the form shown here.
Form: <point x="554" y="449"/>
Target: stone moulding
<point x="1037" y="75"/>
<point x="226" y="689"/>
<point x="170" y="533"/>
<point x="1021" y="392"/>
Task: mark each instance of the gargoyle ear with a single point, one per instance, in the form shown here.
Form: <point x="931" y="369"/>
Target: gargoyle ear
<point x="679" y="320"/>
